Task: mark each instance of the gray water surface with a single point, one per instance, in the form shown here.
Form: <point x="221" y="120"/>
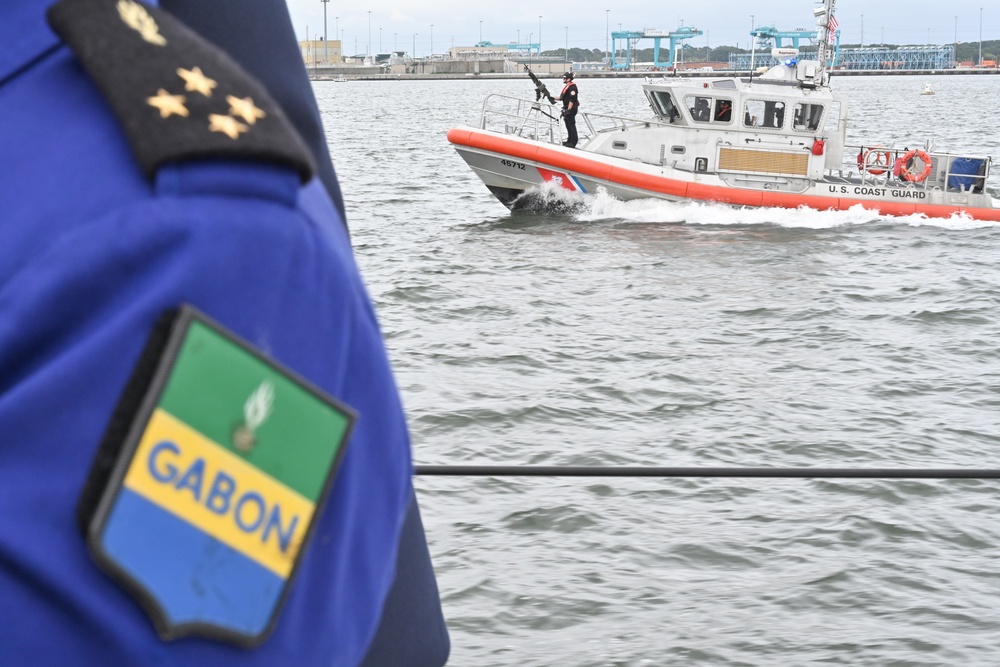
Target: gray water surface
<point x="653" y="333"/>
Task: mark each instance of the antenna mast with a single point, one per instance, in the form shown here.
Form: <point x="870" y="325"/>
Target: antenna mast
<point x="827" y="30"/>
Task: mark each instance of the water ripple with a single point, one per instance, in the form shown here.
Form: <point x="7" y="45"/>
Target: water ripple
<point x="587" y="331"/>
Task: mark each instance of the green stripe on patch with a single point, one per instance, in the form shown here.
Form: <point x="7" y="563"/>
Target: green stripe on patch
<point x="220" y="389"/>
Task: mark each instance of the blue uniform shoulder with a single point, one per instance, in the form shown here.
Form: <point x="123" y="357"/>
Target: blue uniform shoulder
<point x="178" y="97"/>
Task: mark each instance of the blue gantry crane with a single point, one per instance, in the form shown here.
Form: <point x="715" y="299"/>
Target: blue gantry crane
<point x="533" y="47"/>
<point x="768" y="36"/>
<point x="632" y="37"/>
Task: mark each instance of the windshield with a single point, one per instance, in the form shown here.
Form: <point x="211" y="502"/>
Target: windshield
<point x="663" y="105"/>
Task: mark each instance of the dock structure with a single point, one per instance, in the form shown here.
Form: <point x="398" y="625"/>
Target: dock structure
<point x="875" y="58"/>
<point x="513" y="47"/>
<point x="883" y="57"/>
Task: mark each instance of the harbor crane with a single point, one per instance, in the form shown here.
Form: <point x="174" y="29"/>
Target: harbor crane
<point x="766" y="33"/>
<point x="632" y="37"/>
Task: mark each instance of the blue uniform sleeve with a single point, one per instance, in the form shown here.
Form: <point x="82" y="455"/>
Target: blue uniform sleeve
<point x="234" y="242"/>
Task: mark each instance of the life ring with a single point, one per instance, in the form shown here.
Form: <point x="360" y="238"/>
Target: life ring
<point x="875" y="161"/>
<point x="904" y="171"/>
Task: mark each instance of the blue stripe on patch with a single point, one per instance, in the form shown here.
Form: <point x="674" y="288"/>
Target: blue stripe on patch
<point x="194" y="577"/>
<point x="578" y="183"/>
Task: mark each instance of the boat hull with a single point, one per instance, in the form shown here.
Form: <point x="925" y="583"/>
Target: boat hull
<point x="509" y="165"/>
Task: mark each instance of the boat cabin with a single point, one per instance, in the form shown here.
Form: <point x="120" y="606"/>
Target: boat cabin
<point x="780" y="125"/>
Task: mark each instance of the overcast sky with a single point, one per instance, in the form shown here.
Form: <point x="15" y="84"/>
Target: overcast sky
<point x="400" y="24"/>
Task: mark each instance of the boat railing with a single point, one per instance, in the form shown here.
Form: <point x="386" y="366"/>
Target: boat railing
<point x="521" y="117"/>
<point x="883" y="165"/>
<point x="599" y="122"/>
<point x="537" y="120"/>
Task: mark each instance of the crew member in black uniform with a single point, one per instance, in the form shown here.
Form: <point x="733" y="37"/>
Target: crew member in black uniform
<point x="571" y="103"/>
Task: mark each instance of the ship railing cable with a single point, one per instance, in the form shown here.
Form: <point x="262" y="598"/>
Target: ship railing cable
<point x="873" y="168"/>
<point x="662" y="471"/>
<point x="511" y="111"/>
<point x="520" y="117"/>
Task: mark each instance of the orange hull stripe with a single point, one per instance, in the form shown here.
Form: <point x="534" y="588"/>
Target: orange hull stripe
<point x="698" y="191"/>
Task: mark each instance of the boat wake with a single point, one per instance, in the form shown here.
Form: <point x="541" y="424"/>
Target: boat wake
<point x="603" y="206"/>
<point x="551" y="198"/>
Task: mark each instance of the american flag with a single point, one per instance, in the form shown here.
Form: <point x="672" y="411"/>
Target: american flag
<point x="832" y="27"/>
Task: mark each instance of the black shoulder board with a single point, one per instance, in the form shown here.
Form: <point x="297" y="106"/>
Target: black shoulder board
<point x="178" y="96"/>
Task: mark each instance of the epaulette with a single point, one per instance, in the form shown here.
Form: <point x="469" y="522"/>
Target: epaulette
<point x="178" y="97"/>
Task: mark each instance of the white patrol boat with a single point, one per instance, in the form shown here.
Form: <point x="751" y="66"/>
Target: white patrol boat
<point x="776" y="139"/>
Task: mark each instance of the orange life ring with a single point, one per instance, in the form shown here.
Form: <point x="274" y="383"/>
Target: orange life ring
<point x="908" y="175"/>
<point x="879" y="159"/>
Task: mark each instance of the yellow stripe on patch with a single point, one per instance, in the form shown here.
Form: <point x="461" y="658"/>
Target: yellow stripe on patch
<point x="209" y="487"/>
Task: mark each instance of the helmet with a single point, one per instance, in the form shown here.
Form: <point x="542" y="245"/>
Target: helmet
<point x="568" y="75"/>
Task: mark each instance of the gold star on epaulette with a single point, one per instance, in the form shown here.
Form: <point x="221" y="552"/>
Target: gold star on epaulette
<point x="227" y="125"/>
<point x="195" y="80"/>
<point x="168" y="104"/>
<point x="245" y="109"/>
<point x="136" y="17"/>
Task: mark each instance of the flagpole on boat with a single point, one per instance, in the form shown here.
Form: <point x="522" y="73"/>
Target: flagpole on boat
<point x="827" y="23"/>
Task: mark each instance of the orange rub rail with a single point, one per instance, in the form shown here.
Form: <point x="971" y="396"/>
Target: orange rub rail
<point x="697" y="191"/>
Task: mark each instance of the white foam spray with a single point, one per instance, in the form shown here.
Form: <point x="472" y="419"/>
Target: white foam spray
<point x="603" y="206"/>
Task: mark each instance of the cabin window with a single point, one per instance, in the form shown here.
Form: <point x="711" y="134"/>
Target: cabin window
<point x="708" y="109"/>
<point x="620" y="145"/>
<point x="663" y="105"/>
<point x="700" y="107"/>
<point x="807" y="117"/>
<point x="723" y="111"/>
<point x="764" y="114"/>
